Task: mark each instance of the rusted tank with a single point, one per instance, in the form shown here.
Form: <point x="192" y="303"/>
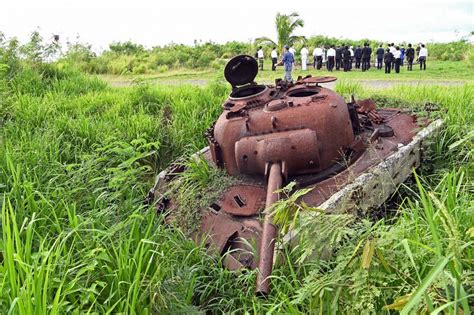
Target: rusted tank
<point x="269" y="135"/>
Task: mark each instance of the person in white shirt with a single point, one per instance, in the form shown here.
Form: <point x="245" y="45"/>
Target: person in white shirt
<point x="418" y="51"/>
<point x="422" y="57"/>
<point x="392" y="51"/>
<point x="396" y="55"/>
<point x="318" y="58"/>
<point x="292" y="50"/>
<point x="392" y="48"/>
<point x="331" y="57"/>
<point x="304" y="57"/>
<point x="274" y="56"/>
<point x="260" y="57"/>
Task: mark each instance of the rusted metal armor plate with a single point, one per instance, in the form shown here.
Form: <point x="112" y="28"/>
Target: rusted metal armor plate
<point x="298" y="149"/>
<point x="316" y="80"/>
<point x="227" y="235"/>
<point x="315" y="109"/>
<point x="243" y="200"/>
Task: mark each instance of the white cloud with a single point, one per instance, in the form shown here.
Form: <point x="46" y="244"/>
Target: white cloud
<point x="159" y="22"/>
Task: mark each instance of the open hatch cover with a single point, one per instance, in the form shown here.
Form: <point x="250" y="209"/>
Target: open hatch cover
<point x="241" y="70"/>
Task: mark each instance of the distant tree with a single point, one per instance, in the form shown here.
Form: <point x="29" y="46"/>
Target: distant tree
<point x="126" y="48"/>
<point x="37" y="50"/>
<point x="285" y="24"/>
<point x="79" y="52"/>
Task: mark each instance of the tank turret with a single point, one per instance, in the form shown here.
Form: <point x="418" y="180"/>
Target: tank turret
<point x="278" y="131"/>
<point x="304" y="126"/>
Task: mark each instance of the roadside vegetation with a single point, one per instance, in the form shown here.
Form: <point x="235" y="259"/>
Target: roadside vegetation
<point x="77" y="158"/>
<point x="128" y="58"/>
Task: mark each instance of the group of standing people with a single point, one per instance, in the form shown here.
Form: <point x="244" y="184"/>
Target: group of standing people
<point x="394" y="56"/>
<point x="345" y="57"/>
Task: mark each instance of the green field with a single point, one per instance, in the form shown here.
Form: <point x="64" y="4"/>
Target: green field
<point x="447" y="72"/>
<point x="77" y="158"/>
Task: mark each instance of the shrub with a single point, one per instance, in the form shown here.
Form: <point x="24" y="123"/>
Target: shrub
<point x="162" y="69"/>
<point x="454" y="51"/>
<point x="470" y="56"/>
<point x="140" y="69"/>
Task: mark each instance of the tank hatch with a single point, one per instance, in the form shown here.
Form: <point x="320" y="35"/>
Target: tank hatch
<point x="241" y="70"/>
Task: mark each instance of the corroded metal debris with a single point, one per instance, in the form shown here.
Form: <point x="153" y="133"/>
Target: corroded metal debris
<point x="269" y="135"/>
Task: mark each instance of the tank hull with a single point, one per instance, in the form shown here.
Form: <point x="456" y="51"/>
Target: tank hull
<point x="345" y="155"/>
<point x="232" y="225"/>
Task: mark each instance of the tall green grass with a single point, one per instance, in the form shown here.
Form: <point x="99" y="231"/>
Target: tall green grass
<point x="76" y="161"/>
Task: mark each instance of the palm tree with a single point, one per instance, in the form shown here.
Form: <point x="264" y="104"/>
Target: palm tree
<point x="285" y="26"/>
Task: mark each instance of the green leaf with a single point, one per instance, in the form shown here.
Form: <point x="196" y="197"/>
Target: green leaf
<point x="368" y="253"/>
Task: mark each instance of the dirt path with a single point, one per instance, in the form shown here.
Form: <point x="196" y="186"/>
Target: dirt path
<point x="376" y="84"/>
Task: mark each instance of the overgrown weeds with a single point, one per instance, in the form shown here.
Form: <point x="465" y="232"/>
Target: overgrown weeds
<point x="194" y="190"/>
<point x="76" y="161"/>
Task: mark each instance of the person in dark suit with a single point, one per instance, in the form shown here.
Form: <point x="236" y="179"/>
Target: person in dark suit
<point x="358" y="56"/>
<point x="410" y="55"/>
<point x="351" y="50"/>
<point x="346" y="56"/>
<point x="379" y="53"/>
<point x="370" y="56"/>
<point x="338" y="57"/>
<point x="418" y="51"/>
<point x="366" y="57"/>
<point x="388" y="59"/>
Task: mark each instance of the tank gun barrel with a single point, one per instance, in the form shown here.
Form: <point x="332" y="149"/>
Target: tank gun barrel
<point x="267" y="248"/>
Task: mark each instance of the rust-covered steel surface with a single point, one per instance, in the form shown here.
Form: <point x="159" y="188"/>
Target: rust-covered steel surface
<point x="269" y="233"/>
<point x="270" y="135"/>
<point x="285" y="126"/>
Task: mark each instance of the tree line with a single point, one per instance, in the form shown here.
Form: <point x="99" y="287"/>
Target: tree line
<point x="133" y="58"/>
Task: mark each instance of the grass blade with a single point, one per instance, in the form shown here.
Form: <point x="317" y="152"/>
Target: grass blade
<point x="427" y="281"/>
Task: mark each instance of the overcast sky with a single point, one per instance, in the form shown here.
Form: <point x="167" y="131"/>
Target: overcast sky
<point x="155" y="22"/>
